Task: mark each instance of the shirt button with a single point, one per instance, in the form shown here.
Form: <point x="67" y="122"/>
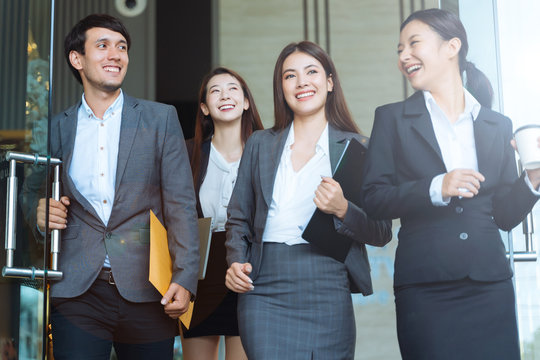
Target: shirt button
<point x="108" y="235"/>
<point x="463" y="236"/>
<point x="102" y="124"/>
<point x="102" y="174"/>
<point x="101" y="148"/>
<point x="459" y="209"/>
<point x="104" y="201"/>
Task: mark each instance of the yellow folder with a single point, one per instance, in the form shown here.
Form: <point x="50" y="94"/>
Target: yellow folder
<point x="161" y="264"/>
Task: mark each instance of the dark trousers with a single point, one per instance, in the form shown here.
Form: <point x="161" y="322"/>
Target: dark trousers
<point x="86" y="327"/>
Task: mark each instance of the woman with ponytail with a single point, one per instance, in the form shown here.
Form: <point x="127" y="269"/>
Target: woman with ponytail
<point x="442" y="162"/>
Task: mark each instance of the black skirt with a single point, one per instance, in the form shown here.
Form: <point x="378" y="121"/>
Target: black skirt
<point x="214" y="312"/>
<point x="463" y="320"/>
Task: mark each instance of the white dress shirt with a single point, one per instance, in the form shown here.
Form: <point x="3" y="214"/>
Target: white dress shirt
<point x="456" y="141"/>
<point x="217" y="187"/>
<point x="95" y="156"/>
<point x="292" y="197"/>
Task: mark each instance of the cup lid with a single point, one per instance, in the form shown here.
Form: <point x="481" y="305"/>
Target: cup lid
<point x="530" y="126"/>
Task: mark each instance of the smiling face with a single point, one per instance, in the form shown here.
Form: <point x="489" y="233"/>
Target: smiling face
<point x="305" y="84"/>
<point x="104" y="64"/>
<point x="424" y="57"/>
<point x="225" y="99"/>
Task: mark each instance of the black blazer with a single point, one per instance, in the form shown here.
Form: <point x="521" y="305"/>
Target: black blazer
<point x="252" y="196"/>
<point x="449" y="242"/>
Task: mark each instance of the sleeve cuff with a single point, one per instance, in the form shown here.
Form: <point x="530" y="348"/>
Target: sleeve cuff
<point x="337" y="223"/>
<point x="435" y="191"/>
<point x="528" y="182"/>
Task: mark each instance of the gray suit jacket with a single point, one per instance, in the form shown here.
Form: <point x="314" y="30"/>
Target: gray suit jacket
<point x="153" y="173"/>
<point x="252" y="196"/>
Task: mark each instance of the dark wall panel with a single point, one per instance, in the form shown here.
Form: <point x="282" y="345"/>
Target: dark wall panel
<point x="183" y="55"/>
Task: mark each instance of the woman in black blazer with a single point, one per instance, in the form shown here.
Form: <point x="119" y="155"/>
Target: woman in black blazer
<point x="444" y="165"/>
<point x="226" y="117"/>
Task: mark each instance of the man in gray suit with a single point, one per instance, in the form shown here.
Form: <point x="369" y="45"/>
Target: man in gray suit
<point x="122" y="157"/>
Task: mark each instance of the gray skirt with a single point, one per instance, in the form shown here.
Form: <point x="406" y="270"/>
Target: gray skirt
<point x="301" y="307"/>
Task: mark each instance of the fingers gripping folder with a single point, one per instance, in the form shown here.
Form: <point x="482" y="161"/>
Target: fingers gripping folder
<point x="11" y="219"/>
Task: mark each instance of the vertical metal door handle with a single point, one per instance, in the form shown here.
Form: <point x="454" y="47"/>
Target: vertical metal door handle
<point x="11" y="218"/>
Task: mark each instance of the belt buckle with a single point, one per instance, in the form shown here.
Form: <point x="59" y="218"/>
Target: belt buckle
<point x="111" y="279"/>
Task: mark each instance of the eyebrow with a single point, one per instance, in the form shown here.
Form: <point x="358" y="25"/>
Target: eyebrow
<point x="107" y="39"/>
<point x="305" y="67"/>
<point x="228" y="84"/>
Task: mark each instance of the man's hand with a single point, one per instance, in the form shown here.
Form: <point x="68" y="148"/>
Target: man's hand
<point x="57" y="213"/>
<point x="461" y="182"/>
<point x="237" y="278"/>
<point x="176" y="300"/>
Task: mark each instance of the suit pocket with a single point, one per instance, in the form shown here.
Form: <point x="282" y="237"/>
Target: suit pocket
<point x="144" y="236"/>
<point x="71" y="232"/>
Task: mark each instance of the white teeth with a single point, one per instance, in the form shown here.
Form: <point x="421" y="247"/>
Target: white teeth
<point x="226" y="107"/>
<point x="112" y="69"/>
<point x="303" y="95"/>
<point x="413" y="68"/>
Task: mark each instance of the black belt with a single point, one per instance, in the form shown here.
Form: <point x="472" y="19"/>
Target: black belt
<point x="106" y="275"/>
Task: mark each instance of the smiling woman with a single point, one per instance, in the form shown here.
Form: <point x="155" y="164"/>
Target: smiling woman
<point x="226" y="117"/>
<point x="285" y="288"/>
<point x="442" y="162"/>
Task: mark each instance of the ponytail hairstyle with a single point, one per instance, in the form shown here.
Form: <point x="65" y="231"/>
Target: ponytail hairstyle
<point x="336" y="109"/>
<point x="448" y="26"/>
<point x="204" y="125"/>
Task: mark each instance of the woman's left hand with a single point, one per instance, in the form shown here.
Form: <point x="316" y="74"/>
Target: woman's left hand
<point x="329" y="198"/>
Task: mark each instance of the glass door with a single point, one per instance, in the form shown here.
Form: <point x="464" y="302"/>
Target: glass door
<point x="499" y="38"/>
<point x="24" y="112"/>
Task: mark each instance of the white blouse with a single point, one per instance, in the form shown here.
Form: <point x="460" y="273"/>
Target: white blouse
<point x="292" y="198"/>
<point x="217" y="187"/>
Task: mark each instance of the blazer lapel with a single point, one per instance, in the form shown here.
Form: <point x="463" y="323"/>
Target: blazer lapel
<point x="68" y="132"/>
<point x="336" y="145"/>
<point x="484" y="137"/>
<point x="270" y="152"/>
<point x="415" y="111"/>
<point x="128" y="129"/>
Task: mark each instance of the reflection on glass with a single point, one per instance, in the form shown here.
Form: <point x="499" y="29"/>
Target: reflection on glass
<point x="37" y="99"/>
<point x="24" y="85"/>
<point x="30" y="323"/>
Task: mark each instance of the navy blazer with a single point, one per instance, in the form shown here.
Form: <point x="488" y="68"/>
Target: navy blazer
<point x="448" y="242"/>
<point x="252" y="196"/>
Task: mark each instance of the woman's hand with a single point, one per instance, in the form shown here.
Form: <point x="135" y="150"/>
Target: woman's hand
<point x="461" y="182"/>
<point x="534" y="174"/>
<point x="329" y="198"/>
<point x="237" y="278"/>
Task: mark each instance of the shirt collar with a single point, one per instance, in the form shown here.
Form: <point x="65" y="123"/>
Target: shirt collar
<point x="115" y="107"/>
<point x="472" y="106"/>
<point x="322" y="143"/>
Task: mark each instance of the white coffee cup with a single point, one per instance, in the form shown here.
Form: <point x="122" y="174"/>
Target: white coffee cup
<point x="527" y="144"/>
